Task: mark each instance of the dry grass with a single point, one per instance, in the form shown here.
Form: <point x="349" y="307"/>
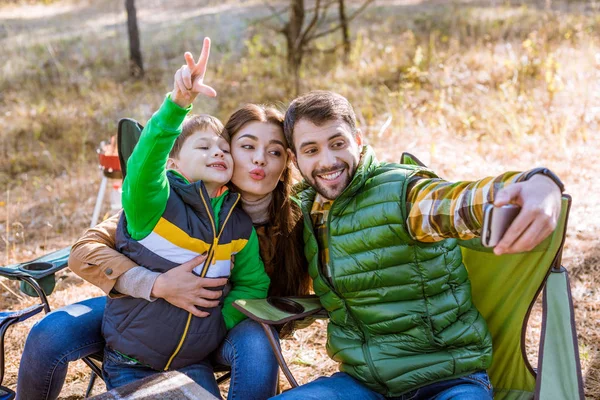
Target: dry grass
<point x="472" y="89"/>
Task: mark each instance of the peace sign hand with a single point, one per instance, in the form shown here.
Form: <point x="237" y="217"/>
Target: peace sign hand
<point x="189" y="79"/>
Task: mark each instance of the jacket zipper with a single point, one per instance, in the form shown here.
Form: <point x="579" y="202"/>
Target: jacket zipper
<point x="331" y="284"/>
<point x="207" y="263"/>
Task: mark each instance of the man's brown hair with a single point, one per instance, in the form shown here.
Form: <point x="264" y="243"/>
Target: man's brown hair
<point x="318" y="107"/>
<point x="195" y="123"/>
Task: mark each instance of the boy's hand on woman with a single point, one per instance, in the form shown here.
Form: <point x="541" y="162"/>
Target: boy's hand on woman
<point x="184" y="289"/>
<point x="189" y="79"/>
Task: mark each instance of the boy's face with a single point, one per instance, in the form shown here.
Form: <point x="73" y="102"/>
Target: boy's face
<point x="204" y="156"/>
<point x="327" y="155"/>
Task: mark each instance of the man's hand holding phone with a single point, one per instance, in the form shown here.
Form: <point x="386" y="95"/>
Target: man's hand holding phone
<point x="539" y="199"/>
<point x="496" y="221"/>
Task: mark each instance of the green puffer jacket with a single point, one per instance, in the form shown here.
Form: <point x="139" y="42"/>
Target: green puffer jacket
<point x="401" y="315"/>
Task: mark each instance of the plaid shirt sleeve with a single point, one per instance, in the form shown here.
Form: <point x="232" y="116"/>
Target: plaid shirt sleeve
<point x="438" y="209"/>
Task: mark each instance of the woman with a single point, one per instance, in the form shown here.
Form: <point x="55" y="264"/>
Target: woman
<point x="263" y="176"/>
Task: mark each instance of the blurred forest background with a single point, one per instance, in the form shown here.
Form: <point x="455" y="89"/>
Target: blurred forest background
<point x="472" y="88"/>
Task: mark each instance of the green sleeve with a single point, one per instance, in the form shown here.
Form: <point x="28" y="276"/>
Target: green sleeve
<point x="248" y="279"/>
<point x="146" y="189"/>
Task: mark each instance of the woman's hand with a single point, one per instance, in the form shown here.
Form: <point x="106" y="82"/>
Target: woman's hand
<point x="189" y="79"/>
<point x="184" y="289"/>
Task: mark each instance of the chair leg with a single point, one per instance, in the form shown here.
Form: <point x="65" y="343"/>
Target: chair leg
<point x="2" y="332"/>
<point x="277" y="351"/>
<point x="5" y="393"/>
<point x="278" y="387"/>
<point x="91" y="384"/>
<point x="96" y="372"/>
<point x="224" y="378"/>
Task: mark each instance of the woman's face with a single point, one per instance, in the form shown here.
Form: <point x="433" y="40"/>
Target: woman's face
<point x="260" y="157"/>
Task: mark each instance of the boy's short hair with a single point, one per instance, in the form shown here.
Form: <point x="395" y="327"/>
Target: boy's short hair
<point x="195" y="123"/>
<point x="318" y="107"/>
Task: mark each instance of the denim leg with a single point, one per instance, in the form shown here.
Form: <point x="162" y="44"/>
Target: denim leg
<point x="118" y="371"/>
<point x="476" y="386"/>
<point x="247" y="351"/>
<point x="64" y="335"/>
<point x="338" y="386"/>
<point x="203" y="374"/>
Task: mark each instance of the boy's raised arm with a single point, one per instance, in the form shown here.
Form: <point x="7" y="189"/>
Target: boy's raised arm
<point x="146" y="189"/>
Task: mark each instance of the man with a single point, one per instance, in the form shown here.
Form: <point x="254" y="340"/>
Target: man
<point x="385" y="263"/>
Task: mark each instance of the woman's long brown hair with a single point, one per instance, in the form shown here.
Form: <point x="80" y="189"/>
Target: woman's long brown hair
<point x="281" y="239"/>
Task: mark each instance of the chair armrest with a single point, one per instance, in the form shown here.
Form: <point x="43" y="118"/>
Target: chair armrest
<point x="41" y="269"/>
<point x="267" y="312"/>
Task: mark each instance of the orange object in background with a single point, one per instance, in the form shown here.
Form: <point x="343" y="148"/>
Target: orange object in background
<point x="108" y="158"/>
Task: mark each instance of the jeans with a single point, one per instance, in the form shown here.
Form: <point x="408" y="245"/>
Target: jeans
<point x="340" y="385"/>
<point x="118" y="370"/>
<point x="74" y="331"/>
<point x="62" y="336"/>
<point x="253" y="365"/>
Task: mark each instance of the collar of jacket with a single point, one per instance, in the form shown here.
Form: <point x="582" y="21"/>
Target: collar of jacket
<point x="367" y="163"/>
<point x="191" y="193"/>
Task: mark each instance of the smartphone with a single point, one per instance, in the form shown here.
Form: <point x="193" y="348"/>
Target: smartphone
<point x="496" y="221"/>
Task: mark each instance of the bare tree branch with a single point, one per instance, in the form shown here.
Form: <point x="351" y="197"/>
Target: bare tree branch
<point x="335" y="28"/>
<point x="275" y="13"/>
<point x="323" y="18"/>
<point x="305" y="37"/>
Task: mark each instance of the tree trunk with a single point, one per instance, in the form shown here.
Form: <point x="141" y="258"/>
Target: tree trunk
<point x="136" y="65"/>
<point x="295" y="47"/>
<point x="345" y="30"/>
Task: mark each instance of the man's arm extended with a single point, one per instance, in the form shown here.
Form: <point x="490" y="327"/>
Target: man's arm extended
<point x="438" y="209"/>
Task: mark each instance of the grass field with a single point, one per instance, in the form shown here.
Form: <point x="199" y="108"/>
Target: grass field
<point x="472" y="88"/>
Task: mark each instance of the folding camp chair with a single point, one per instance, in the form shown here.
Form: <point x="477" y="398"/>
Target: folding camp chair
<point x="38" y="276"/>
<point x="37" y="279"/>
<point x="504" y="289"/>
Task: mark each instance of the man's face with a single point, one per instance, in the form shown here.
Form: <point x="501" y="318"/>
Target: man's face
<point x="327" y="155"/>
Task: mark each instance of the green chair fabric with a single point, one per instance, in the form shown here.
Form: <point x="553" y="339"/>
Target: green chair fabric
<point x="504" y="289"/>
<point x="128" y="134"/>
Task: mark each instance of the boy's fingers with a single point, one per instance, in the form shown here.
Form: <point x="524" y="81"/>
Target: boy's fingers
<point x="189" y="60"/>
<point x="206" y="90"/>
<point x="186" y="75"/>
<point x="178" y="82"/>
<point x="181" y="87"/>
<point x="200" y="68"/>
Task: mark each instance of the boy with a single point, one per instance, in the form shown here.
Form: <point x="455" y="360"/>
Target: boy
<point x="170" y="218"/>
